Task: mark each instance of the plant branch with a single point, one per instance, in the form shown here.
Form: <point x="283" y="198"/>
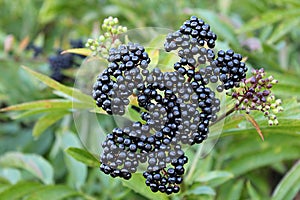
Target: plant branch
<point x="229" y="112"/>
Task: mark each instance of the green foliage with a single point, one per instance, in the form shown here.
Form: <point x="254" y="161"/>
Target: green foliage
<point x="289" y="186"/>
<point x="137" y="185"/>
<point x="42" y="156"/>
<point x="34" y="164"/>
<point x="83" y="156"/>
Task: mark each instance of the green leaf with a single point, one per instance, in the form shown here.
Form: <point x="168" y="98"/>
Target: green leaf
<point x="83" y="156"/>
<point x="79" y="51"/>
<point x="77" y="170"/>
<point x="29" y="113"/>
<point x="215" y="178"/>
<point x="289" y="186"/>
<point x="252" y="192"/>
<point x="132" y="114"/>
<point x="4" y="180"/>
<point x="288" y="85"/>
<point x="19" y="190"/>
<point x="72" y="92"/>
<point x="137" y="184"/>
<point x="154" y="56"/>
<point x="53" y="192"/>
<point x="233" y="192"/>
<point x="47" y="12"/>
<point x="293" y="3"/>
<point x="247" y="144"/>
<point x="45" y="104"/>
<point x="35" y="164"/>
<point x="47" y="120"/>
<point x="268" y="18"/>
<point x="283" y="29"/>
<point x="167" y="61"/>
<point x="3" y="186"/>
<point x="12" y="175"/>
<point x="268" y="156"/>
<point x="201" y="190"/>
<point x="217" y="25"/>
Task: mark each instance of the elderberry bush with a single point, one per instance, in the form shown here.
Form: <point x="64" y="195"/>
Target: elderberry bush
<point x="176" y="107"/>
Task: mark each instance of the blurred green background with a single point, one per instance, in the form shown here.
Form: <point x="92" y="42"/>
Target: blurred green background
<point x="241" y="166"/>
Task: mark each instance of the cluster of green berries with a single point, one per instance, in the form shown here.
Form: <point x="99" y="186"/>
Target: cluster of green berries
<point x="255" y="93"/>
<point x="108" y="39"/>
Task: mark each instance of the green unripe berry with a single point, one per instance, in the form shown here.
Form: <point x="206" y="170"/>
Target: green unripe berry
<point x="105" y="21"/>
<point x="90" y="41"/>
<point x="114" y="30"/>
<point x="272" y="117"/>
<point x="270" y="122"/>
<point x="109" y="28"/>
<point x="101" y="38"/>
<point x="274" y="82"/>
<point x="118" y="42"/>
<point x="93" y="48"/>
<point x="111" y="23"/>
<point x="116" y="20"/>
<point x="273" y="105"/>
<point x="106" y="35"/>
<point x="271" y="78"/>
<point x="247" y="110"/>
<point x="278" y="101"/>
<point x="270" y="98"/>
<point x="280" y="109"/>
<point x="104" y="26"/>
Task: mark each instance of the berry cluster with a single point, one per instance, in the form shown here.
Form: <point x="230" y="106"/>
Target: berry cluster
<point x="167" y="180"/>
<point x="117" y="82"/>
<point x="254" y="94"/>
<point x="190" y="41"/>
<point x="109" y="39"/>
<point x="193" y="32"/>
<point x="37" y="50"/>
<point x="176" y="107"/>
<point x="59" y="62"/>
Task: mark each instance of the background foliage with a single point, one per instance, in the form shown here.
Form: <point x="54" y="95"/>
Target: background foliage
<point x="41" y="154"/>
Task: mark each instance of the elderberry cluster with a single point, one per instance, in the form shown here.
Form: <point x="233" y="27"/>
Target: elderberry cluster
<point x="59" y="62"/>
<point x="37" y="50"/>
<point x="176" y="107"/>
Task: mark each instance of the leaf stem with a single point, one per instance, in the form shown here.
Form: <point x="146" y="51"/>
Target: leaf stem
<point x="194" y="165"/>
<point x="229" y="112"/>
